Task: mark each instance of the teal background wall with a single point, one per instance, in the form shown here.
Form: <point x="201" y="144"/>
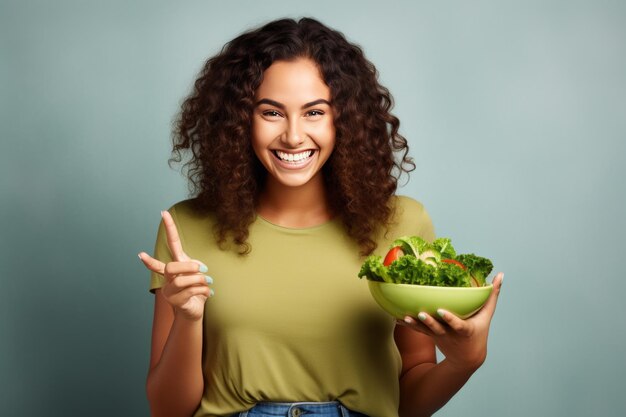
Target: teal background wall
<point x="515" y="112"/>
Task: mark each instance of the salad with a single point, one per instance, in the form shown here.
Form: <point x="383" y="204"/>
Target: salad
<point x="412" y="260"/>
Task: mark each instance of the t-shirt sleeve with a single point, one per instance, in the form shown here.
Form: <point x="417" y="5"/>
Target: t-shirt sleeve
<point x="414" y="219"/>
<point x="162" y="253"/>
<point x="427" y="230"/>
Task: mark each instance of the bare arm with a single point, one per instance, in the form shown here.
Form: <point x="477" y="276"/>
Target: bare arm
<point x="425" y="385"/>
<point x="175" y="384"/>
<point x="175" y="381"/>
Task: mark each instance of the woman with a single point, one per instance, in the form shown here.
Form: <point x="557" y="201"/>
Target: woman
<point x="292" y="149"/>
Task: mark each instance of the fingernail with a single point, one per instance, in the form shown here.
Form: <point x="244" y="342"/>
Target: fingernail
<point x="139" y="256"/>
<point x="441" y="313"/>
<point x="408" y="320"/>
<point x="421" y="316"/>
<point x="161" y="213"/>
<point x="203" y="268"/>
<point x="212" y="292"/>
<point x="209" y="280"/>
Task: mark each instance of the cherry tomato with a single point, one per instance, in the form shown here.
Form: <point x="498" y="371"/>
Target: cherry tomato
<point x="393" y="254"/>
<point x="454" y="262"/>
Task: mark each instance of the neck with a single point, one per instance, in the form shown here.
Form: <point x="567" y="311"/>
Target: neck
<point x="296" y="207"/>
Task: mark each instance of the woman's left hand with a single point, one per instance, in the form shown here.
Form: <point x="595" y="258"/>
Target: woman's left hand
<point x="462" y="342"/>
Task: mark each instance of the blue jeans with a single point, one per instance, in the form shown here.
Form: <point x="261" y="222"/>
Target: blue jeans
<point x="299" y="409"/>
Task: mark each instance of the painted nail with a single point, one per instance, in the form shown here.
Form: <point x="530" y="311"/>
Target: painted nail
<point x="203" y="268"/>
<point x="161" y="213"/>
<point x="441" y="313"/>
<point x="408" y="320"/>
<point x="139" y="256"/>
<point x="209" y="280"/>
<point x="212" y="292"/>
<point x="421" y="316"/>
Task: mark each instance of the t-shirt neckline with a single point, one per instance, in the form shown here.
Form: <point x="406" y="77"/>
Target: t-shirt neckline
<point x="294" y="229"/>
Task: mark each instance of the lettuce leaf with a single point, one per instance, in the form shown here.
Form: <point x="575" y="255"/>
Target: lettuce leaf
<point x="478" y="267"/>
<point x="443" y="245"/>
<point x="450" y="275"/>
<point x="411" y="245"/>
<point x="374" y="269"/>
<point x="410" y="270"/>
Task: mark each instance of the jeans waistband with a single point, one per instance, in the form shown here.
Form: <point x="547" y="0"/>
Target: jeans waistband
<point x="299" y="409"/>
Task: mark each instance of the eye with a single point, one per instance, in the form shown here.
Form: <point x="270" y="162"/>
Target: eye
<point x="271" y="113"/>
<point x="314" y="113"/>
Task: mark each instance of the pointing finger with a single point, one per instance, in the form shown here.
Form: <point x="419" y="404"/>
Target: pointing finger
<point x="173" y="240"/>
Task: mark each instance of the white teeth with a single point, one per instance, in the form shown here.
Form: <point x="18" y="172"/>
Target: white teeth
<point x="294" y="157"/>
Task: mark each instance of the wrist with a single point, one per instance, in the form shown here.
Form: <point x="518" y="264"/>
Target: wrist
<point x="183" y="317"/>
<point x="461" y="368"/>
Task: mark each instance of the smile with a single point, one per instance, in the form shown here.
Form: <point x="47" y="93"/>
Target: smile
<point x="295" y="158"/>
<point x="295" y="161"/>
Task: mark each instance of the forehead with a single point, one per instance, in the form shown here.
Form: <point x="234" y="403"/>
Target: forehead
<point x="293" y="81"/>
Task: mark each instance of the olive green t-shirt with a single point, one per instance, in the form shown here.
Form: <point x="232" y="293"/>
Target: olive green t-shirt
<point x="291" y="321"/>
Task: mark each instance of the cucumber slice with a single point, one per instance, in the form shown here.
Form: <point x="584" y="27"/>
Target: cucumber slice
<point x="430" y="257"/>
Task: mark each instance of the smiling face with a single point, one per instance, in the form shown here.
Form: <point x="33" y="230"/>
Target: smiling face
<point x="292" y="126"/>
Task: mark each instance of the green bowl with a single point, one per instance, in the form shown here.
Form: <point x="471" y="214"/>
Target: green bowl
<point x="401" y="300"/>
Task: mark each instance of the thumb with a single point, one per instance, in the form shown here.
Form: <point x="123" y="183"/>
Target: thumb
<point x="490" y="306"/>
<point x="152" y="264"/>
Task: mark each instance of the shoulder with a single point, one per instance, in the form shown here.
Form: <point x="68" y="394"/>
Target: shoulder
<point x="188" y="214"/>
<point x="408" y="210"/>
<point x="407" y="203"/>
<point x="189" y="207"/>
<point x="410" y="217"/>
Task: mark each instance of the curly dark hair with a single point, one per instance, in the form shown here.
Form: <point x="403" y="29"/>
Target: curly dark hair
<point x="214" y="124"/>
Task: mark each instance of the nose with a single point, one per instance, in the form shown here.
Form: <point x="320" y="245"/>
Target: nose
<point x="294" y="135"/>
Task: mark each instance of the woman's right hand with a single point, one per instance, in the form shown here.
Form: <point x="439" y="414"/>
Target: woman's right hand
<point x="186" y="288"/>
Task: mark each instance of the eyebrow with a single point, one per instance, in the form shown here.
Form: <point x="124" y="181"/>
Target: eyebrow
<point x="282" y="106"/>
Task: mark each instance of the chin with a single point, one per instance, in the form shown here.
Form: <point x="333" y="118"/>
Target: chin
<point x="294" y="180"/>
